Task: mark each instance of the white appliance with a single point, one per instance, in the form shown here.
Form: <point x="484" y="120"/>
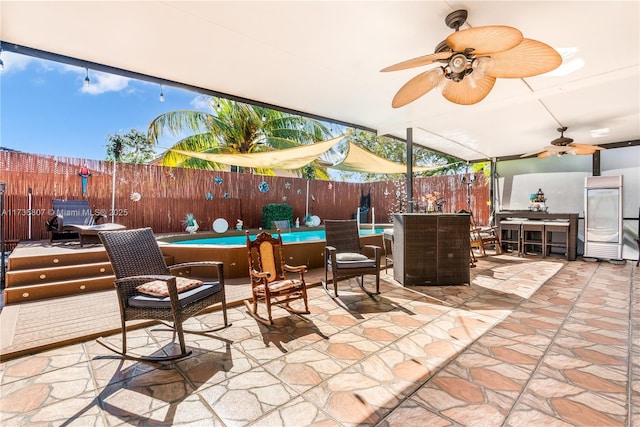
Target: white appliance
<point x="603" y="217"/>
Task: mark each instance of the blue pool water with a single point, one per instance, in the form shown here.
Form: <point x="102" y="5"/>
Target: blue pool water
<point x="290" y="237"/>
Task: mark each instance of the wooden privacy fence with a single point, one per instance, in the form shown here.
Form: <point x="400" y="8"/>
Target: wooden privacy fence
<point x="167" y="195"/>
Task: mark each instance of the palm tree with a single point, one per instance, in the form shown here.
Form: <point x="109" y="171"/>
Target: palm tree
<point x="235" y="127"/>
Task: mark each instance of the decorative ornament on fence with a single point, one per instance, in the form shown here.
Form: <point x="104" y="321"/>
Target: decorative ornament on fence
<point x="218" y="180"/>
<point x="287" y="185"/>
<point x="284" y="198"/>
<point x="226" y="195"/>
<point x="263" y="187"/>
<point x="330" y="186"/>
<point x="191" y="224"/>
<point x="208" y="196"/>
<point x="135" y="196"/>
<point x="299" y="191"/>
<point x="170" y="174"/>
<point x="84" y="175"/>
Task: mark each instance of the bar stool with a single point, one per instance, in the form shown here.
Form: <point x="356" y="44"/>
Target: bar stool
<point x="533" y="236"/>
<point x="557" y="227"/>
<point x="510" y="235"/>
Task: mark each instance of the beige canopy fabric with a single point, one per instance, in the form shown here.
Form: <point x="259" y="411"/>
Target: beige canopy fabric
<point x="357" y="159"/>
<point x="360" y="160"/>
<point x="290" y="158"/>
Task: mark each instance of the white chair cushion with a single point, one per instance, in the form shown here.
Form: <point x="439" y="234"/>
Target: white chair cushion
<point x="350" y="256"/>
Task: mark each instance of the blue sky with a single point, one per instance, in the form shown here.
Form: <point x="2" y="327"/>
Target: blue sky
<point x="45" y="107"/>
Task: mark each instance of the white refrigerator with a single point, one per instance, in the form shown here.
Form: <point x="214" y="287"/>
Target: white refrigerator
<point x="603" y="217"/>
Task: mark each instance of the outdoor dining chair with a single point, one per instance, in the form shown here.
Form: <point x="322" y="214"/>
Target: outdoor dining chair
<point x="269" y="282"/>
<point x="346" y="258"/>
<point x="481" y="237"/>
<point x="146" y="288"/>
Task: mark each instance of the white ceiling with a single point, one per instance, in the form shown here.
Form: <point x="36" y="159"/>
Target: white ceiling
<point x="324" y="57"/>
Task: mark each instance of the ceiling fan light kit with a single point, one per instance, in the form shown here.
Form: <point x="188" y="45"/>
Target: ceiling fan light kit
<point x="473" y="59"/>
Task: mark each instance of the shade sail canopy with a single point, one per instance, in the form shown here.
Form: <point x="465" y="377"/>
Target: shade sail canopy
<point x="290" y="158"/>
<point x="360" y="160"/>
<point x="357" y="159"/>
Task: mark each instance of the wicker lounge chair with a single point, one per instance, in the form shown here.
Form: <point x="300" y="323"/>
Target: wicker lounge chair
<point x="74" y="220"/>
<point x="269" y="282"/>
<point x="345" y="258"/>
<point x="138" y="264"/>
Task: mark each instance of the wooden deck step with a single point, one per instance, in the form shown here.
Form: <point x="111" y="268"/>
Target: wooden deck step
<point x="41" y="270"/>
<point x="29" y="256"/>
<point x="57" y="289"/>
<point x="36" y="276"/>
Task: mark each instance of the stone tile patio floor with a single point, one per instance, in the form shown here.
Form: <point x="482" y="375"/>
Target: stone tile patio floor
<point x="535" y="342"/>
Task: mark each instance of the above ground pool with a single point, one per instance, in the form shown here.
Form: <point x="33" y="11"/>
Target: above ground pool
<point x="288" y="237"/>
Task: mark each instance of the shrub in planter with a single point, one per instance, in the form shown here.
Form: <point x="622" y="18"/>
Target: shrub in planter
<point x="276" y="212"/>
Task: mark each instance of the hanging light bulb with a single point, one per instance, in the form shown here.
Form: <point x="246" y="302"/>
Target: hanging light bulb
<point x="161" y="94"/>
<point x="87" y="82"/>
<point x="218" y="108"/>
<point x="264" y="118"/>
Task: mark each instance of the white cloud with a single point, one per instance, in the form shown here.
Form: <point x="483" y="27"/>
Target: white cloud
<point x="201" y="102"/>
<point x="101" y="83"/>
<point x="15" y="62"/>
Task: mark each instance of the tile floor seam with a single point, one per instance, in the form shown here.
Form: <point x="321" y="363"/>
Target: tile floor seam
<point x="353" y="365"/>
<point x="443" y="366"/>
<point x="551" y="344"/>
<point x="630" y="349"/>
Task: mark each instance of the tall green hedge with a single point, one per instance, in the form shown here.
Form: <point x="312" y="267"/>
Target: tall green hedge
<point x="276" y="212"/>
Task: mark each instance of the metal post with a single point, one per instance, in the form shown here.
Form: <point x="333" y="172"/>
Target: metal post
<point x="113" y="190"/>
<point x="3" y="190"/>
<point x="409" y="170"/>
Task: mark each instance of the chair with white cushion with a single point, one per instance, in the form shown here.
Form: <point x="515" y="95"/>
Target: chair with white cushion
<point x="346" y="258"/>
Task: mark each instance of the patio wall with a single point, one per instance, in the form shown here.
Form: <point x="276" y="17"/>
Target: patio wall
<point x="562" y="180"/>
<point x="168" y="194"/>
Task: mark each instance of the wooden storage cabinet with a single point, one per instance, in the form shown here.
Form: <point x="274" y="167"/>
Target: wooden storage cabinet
<point x="431" y="249"/>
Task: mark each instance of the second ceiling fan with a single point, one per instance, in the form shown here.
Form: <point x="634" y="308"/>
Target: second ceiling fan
<point x="564" y="145"/>
<point x="473" y="59"/>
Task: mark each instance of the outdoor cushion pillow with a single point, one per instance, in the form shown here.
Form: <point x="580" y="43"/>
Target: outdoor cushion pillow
<point x="184" y="298"/>
<point x="349" y="256"/>
<point x="158" y="288"/>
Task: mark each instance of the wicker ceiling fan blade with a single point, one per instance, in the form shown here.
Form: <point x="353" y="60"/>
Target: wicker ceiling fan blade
<point x="588" y="147"/>
<point x="545" y="154"/>
<point x="468" y="91"/>
<point x="529" y="58"/>
<point x="583" y="150"/>
<point x="417" y="86"/>
<point x="531" y="153"/>
<point x="418" y="62"/>
<point x="485" y="40"/>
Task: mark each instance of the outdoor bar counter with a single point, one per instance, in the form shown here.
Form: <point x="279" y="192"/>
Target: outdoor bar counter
<point x="431" y="249"/>
<point x="545" y="216"/>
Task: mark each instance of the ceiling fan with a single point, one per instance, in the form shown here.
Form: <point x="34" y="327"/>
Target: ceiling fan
<point x="564" y="145"/>
<point x="472" y="60"/>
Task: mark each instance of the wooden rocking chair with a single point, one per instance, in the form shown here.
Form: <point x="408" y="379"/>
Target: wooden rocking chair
<point x="269" y="282"/>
